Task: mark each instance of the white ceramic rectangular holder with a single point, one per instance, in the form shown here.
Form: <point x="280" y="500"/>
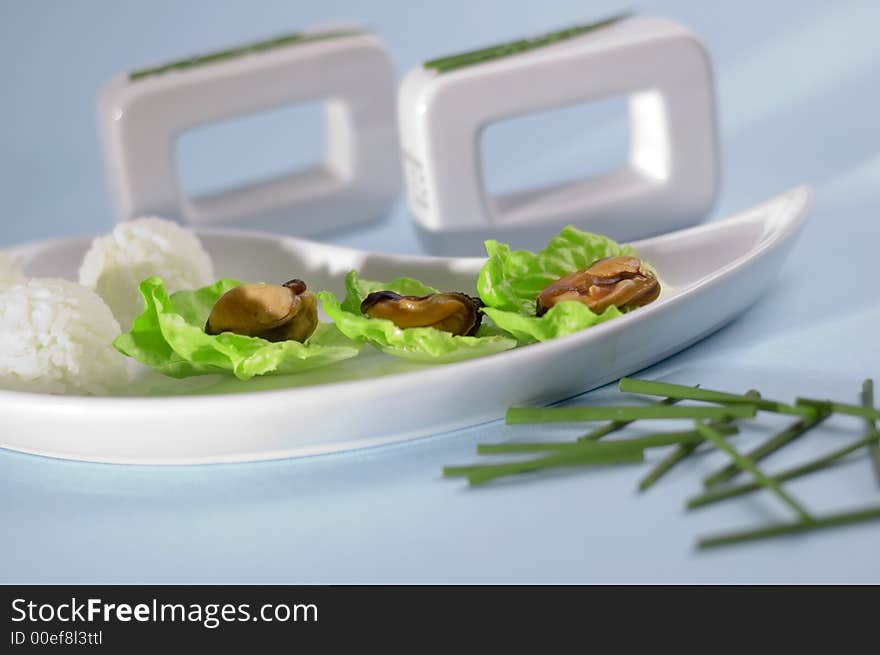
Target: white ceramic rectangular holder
<point x="142" y="113"/>
<point x="671" y="178"/>
<point x="711" y="274"/>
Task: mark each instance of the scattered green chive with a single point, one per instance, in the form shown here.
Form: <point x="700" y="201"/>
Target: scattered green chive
<point x="716" y="495"/>
<point x="653" y="388"/>
<point x="679" y="454"/>
<point x="587" y="451"/>
<point x="573" y="414"/>
<point x="748" y="465"/>
<point x="781" y="529"/>
<point x="774" y="443"/>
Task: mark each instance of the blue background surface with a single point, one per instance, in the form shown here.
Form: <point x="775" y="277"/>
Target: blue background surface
<point x="798" y="97"/>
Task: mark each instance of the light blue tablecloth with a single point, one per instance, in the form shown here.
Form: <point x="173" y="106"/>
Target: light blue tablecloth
<point x="798" y="96"/>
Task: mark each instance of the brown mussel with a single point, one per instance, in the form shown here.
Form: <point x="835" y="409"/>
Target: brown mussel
<point x="620" y="281"/>
<point x="274" y="312"/>
<point x="457" y="313"/>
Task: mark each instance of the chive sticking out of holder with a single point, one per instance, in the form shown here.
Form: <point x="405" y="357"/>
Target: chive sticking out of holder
<point x="296" y="38"/>
<point x="489" y="53"/>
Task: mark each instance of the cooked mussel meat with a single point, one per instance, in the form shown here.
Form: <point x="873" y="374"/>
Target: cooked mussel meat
<point x="457" y="313"/>
<point x="621" y="281"/>
<point x="275" y="312"/>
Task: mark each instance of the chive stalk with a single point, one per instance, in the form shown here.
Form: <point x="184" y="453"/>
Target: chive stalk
<point x="614" y="426"/>
<point x="666" y="464"/>
<point x="842" y="408"/>
<point x="516" y="415"/>
<point x="749" y="465"/>
<point x="781" y="529"/>
<point x="654" y="388"/>
<point x="481" y="474"/>
<point x="587" y="449"/>
<point x="656" y="440"/>
<point x="868" y="402"/>
<point x="774" y="443"/>
<point x="296" y="38"/>
<point x="716" y="495"/>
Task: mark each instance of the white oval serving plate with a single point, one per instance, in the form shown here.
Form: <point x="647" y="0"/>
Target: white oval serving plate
<point x="712" y="274"/>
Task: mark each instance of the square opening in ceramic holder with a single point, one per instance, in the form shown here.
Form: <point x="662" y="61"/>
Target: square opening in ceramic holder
<point x="142" y="113"/>
<point x="671" y="177"/>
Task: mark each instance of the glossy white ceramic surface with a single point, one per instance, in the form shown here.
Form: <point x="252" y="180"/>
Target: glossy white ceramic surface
<point x="712" y="272"/>
<point x="358" y="179"/>
<point x="670" y="181"/>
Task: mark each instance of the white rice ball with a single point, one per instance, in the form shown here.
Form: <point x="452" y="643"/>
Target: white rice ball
<point x="10" y="272"/>
<point x="117" y="263"/>
<point x="56" y="337"/>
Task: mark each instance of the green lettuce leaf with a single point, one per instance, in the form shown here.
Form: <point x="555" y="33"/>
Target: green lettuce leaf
<point x="169" y="336"/>
<point x="356" y="289"/>
<point x="562" y="319"/>
<point x="512" y="279"/>
<point x="417" y="344"/>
